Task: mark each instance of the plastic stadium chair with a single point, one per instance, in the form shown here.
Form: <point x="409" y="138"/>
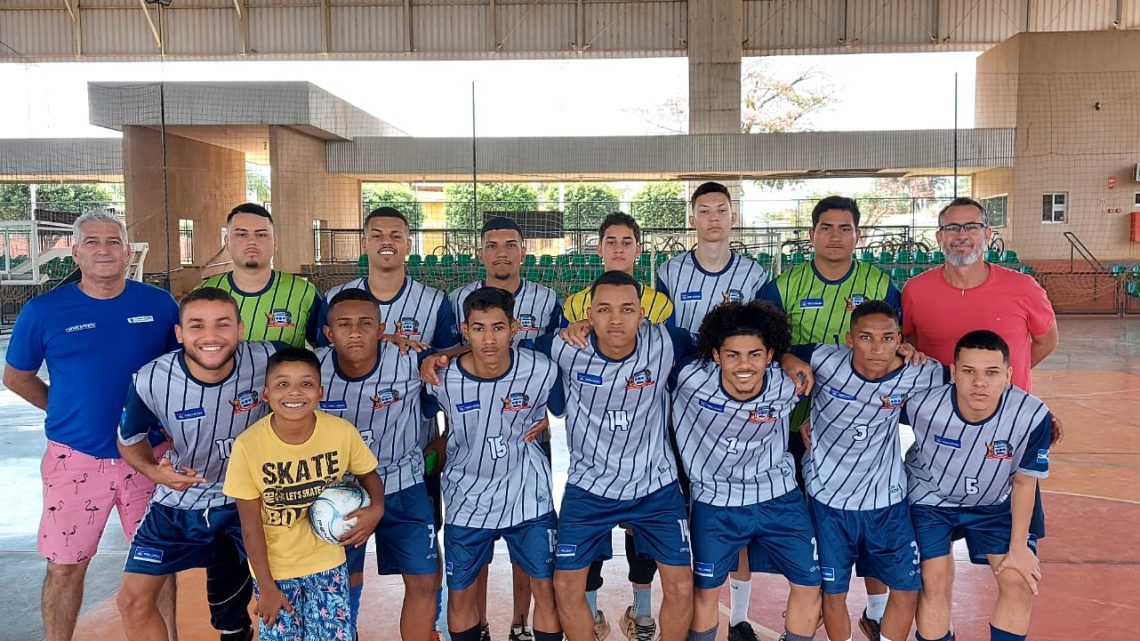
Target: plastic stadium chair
<point x="797" y="258"/>
<point x="886" y="258"/>
<point x="764" y="258"/>
<point x="904" y="258"/>
<point x="431" y="260"/>
<point x="992" y="256"/>
<point x="548" y="276"/>
<point x="415" y="259"/>
<point x="642" y="273"/>
<point x="594" y="259"/>
<point x="562" y="260"/>
<point x="1133" y="289"/>
<point x="1027" y="269"/>
<point x="530" y="261"/>
<point x="1009" y="257"/>
<point x="899" y="275"/>
<point x="466" y="260"/>
<point x="938" y="258"/>
<point x="447" y="260"/>
<point x="921" y="258"/>
<point x="546" y="260"/>
<point x="1135" y="268"/>
<point x="533" y="274"/>
<point x="867" y="257"/>
<point x="577" y="260"/>
<point x="916" y="270"/>
<point x="1118" y="270"/>
<point x="644" y="260"/>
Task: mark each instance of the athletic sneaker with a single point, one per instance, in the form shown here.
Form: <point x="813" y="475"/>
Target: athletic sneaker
<point x="521" y="633"/>
<point x="869" y="626"/>
<point x="240" y="635"/>
<point x="601" y="626"/>
<point x="637" y="628"/>
<point x="742" y="632"/>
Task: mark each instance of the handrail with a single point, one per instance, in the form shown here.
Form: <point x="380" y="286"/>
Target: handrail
<point x="1078" y="247"/>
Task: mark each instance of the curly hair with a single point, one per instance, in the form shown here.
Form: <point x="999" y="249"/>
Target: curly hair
<point x="760" y="319"/>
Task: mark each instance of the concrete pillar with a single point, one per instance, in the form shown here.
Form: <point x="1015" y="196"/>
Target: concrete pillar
<point x="716" y="34"/>
<point x="304" y="191"/>
<point x="203" y="183"/>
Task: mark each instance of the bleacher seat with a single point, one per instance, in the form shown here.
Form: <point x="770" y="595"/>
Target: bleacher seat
<point x="916" y="270"/>
<point x="562" y="260"/>
<point x="465" y="260"/>
<point x="1119" y="270"/>
<point x="415" y="259"/>
<point x="1027" y="269"/>
<point x="577" y="260"/>
<point x="899" y="275"/>
<point x="431" y="260"/>
<point x="867" y="257"/>
<point x="904" y="258"/>
<point x="886" y="258"/>
<point x="594" y="259"/>
<point x="1009" y="257"/>
<point x="546" y="260"/>
<point x="644" y="260"/>
<point x="660" y="258"/>
<point x="764" y="258"/>
<point x="530" y="261"/>
<point x="797" y="258"/>
<point x="937" y="258"/>
<point x="921" y="258"/>
<point x="992" y="256"/>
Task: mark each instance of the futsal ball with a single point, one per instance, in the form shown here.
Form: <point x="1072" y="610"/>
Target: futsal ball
<point x="327" y="513"/>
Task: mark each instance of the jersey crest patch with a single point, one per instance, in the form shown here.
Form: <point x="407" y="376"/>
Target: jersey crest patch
<point x="733" y="296"/>
<point x="892" y="401"/>
<point x="246" y="401"/>
<point x="408" y="326"/>
<point x="385" y="398"/>
<point x="999" y="450"/>
<point x="279" y="318"/>
<point x="528" y="323"/>
<point x="639" y="380"/>
<point x="516" y="402"/>
<point x="763" y="415"/>
<point x="855" y="300"/>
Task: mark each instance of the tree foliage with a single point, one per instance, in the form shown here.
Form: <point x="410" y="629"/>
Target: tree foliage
<point x="69" y="197"/>
<point x="584" y="204"/>
<point x="659" y="204"/>
<point x="398" y="195"/>
<point x="492" y="197"/>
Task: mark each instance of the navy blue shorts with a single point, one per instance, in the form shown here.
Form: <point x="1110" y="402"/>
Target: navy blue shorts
<point x="406" y="541"/>
<point x="881" y="541"/>
<point x="171" y="539"/>
<point x="659" y="523"/>
<point x="468" y="549"/>
<point x="985" y="528"/>
<point x="777" y="533"/>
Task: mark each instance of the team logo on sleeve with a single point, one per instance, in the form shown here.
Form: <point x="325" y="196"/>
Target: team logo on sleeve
<point x="408" y="326"/>
<point x="855" y="300"/>
<point x="999" y="450"/>
<point x="892" y="401"/>
<point x="279" y="318"/>
<point x="528" y="323"/>
<point x="733" y="295"/>
<point x="639" y="380"/>
<point x="245" y="402"/>
<point x="516" y="402"/>
<point x="763" y="415"/>
<point x="385" y="398"/>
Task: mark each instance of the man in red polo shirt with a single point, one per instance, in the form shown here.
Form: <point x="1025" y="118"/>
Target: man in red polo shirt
<point x="967" y="293"/>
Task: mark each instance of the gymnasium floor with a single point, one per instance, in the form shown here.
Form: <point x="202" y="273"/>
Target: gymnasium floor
<point x="1091" y="558"/>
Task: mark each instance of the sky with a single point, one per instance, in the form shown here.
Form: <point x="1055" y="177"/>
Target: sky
<point x="521" y="98"/>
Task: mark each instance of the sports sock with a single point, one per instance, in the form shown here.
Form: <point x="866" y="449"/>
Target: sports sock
<point x="792" y="636"/>
<point x="876" y="606"/>
<point x="354" y="592"/>
<point x="643" y="601"/>
<point x="592" y="601"/>
<point x="707" y="635"/>
<point x="539" y="635"/>
<point x="997" y="634"/>
<point x="467" y="635"/>
<point x="740" y="595"/>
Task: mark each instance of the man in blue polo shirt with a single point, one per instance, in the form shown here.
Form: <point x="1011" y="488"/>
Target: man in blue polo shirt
<point x="93" y="335"/>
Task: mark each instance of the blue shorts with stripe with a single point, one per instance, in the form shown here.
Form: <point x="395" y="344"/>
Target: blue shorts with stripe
<point x="468" y="549"/>
<point x="659" y="523"/>
<point x="406" y="541"/>
<point x="777" y="534"/>
<point x="985" y="528"/>
<point x="881" y="541"/>
<point x="171" y="539"/>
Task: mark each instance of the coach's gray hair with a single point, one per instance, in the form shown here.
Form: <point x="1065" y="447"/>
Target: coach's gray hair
<point x="97" y="216"/>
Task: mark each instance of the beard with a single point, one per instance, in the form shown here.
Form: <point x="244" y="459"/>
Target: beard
<point x="252" y="264"/>
<point x="959" y="260"/>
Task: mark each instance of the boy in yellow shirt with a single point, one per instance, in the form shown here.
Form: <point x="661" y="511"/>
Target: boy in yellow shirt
<point x="277" y="469"/>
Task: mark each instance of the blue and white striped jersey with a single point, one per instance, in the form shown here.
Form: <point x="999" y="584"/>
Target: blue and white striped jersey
<point x="385" y="406"/>
<point x="855" y="460"/>
<point x="694" y="291"/>
<point x="736" y="452"/>
<point x="493" y="478"/>
<point x="955" y="463"/>
<point x="617" y="411"/>
<point x="417" y="312"/>
<point x="536" y="308"/>
<point x="200" y="420"/>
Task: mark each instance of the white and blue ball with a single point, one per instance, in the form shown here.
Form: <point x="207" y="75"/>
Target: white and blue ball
<point x="327" y="512"/>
